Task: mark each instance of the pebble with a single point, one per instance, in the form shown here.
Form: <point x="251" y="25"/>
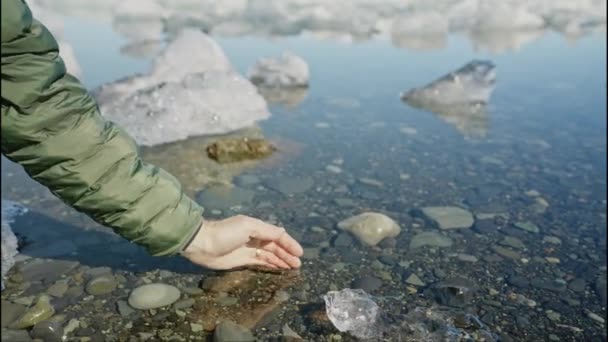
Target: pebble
<point x="367" y="283"/>
<point x="151" y="296"/>
<point x="512" y="241"/>
<point x="48" y="331"/>
<point x="41" y="311"/>
<point x="196" y="327"/>
<point x="554" y="316"/>
<point x="227" y="331"/>
<point x="10" y="312"/>
<point x="595" y="317"/>
<point x="247" y="180"/>
<point x="550" y="285"/>
<point x="506" y="252"/>
<point x="433" y="239"/>
<point x="290" y="335"/>
<point x="98" y="271"/>
<point x="370" y="227"/>
<point x="184" y="303"/>
<point x="467" y="257"/>
<point x="15" y="335"/>
<point x="345" y="202"/>
<point x="371" y="181"/>
<point x="518" y="281"/>
<point x="333" y="169"/>
<point x="48" y="271"/>
<point x="71" y="326"/>
<point x="413" y="279"/>
<point x="58" y="289"/>
<point x="448" y="217"/>
<point x="528" y="226"/>
<point x="123" y="308"/>
<point x="101" y="285"/>
<point x="192" y="291"/>
<point x="552" y="260"/>
<point x="552" y="239"/>
<point x="290" y="185"/>
<point x="408" y="130"/>
<point x="222" y="197"/>
<point x="343" y="239"/>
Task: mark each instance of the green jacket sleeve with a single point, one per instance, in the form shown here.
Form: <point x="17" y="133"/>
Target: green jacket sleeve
<point x="52" y="127"/>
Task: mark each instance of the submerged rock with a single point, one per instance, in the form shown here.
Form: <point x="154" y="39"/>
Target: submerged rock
<point x="223" y="197"/>
<point x="101" y="285"/>
<point x="455" y="292"/>
<point x="290" y="185"/>
<point x="432" y="239"/>
<point x="48" y="331"/>
<point x="286" y="71"/>
<point x="527" y="226"/>
<point x="152" y="296"/>
<point x="228" y="331"/>
<point x="41" y="311"/>
<point x="253" y="297"/>
<point x="447" y="217"/>
<point x="370" y="228"/>
<point x="234" y="150"/>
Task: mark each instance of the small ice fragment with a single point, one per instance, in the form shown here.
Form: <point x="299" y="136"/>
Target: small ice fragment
<point x="353" y="311"/>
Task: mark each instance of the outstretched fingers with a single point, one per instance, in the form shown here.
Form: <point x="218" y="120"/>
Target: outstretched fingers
<point x="269" y="232"/>
<point x="293" y="261"/>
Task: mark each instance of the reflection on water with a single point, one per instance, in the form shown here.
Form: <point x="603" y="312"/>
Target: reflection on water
<point x="533" y="181"/>
<point x="495" y="26"/>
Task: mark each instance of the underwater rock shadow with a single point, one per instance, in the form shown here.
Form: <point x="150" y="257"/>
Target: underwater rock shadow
<point x="42" y="236"/>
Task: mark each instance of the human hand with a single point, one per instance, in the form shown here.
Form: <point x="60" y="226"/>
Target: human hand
<point x="243" y="241"/>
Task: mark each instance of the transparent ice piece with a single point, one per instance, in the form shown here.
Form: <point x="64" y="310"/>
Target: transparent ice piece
<point x="353" y="311"/>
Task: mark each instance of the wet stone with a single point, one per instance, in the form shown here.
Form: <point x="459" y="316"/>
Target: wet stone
<point x="513" y="242"/>
<point x="223" y="197"/>
<point x="49" y="271"/>
<point x="547" y="284"/>
<point x="184" y="303"/>
<point x="101" y="285"/>
<point x="123" y="308"/>
<point x="518" y="281"/>
<point x="15" y="335"/>
<point x="486" y="226"/>
<point x="447" y="217"/>
<point x="58" y="289"/>
<point x="506" y="252"/>
<point x="153" y="296"/>
<point x="528" y="226"/>
<point x="431" y="239"/>
<point x="48" y="331"/>
<point x="367" y="283"/>
<point x="455" y="292"/>
<point x="227" y="331"/>
<point x="343" y="239"/>
<point x="10" y="312"/>
<point x="290" y="185"/>
<point x="577" y="285"/>
<point x="389" y="242"/>
<point x="370" y="227"/>
<point x="41" y="311"/>
<point x="387" y="260"/>
<point x="413" y="279"/>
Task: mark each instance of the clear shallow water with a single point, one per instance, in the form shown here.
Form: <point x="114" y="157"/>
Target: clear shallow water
<point x="545" y="130"/>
